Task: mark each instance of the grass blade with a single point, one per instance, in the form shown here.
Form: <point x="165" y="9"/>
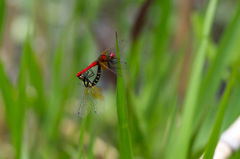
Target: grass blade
<point x="226" y="51"/>
<point x="124" y="136"/>
<point x="212" y="142"/>
<point x="22" y="103"/>
<point x="8" y="96"/>
<point x="35" y="76"/>
<point x="15" y="110"/>
<point x="180" y="148"/>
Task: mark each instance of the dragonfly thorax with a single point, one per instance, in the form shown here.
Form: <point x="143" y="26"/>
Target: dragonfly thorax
<point x="103" y="58"/>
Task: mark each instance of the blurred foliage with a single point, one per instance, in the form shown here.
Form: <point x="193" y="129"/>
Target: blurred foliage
<point x="182" y="83"/>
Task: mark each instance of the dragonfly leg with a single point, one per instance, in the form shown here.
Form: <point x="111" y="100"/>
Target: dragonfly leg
<point x="86" y="74"/>
<point x="91" y="73"/>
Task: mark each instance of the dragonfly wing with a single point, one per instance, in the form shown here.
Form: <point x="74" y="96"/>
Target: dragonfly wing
<point x="104" y="67"/>
<point x="85" y="105"/>
<point x="98" y="100"/>
<point x="105" y="52"/>
<point x="114" y="66"/>
<point x="121" y="45"/>
<point x="107" y="62"/>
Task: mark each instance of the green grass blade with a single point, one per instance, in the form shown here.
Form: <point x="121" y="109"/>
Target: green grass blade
<point x="91" y="144"/>
<point x="55" y="98"/>
<point x="21" y="104"/>
<point x="226" y="50"/>
<point x="7" y="93"/>
<point x="124" y="136"/>
<point x="15" y="111"/>
<point x="35" y="76"/>
<point x="181" y="146"/>
<point x="212" y="142"/>
<point x="8" y="96"/>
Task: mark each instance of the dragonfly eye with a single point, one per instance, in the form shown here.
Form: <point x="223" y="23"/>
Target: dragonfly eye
<point x="112" y="55"/>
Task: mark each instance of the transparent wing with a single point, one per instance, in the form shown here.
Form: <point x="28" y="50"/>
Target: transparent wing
<point x="85" y="104"/>
<point x="111" y="63"/>
<point x="98" y="100"/>
<point x="105" y="67"/>
<point x="121" y="44"/>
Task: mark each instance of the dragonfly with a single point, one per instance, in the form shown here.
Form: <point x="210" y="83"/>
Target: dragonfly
<point x="92" y="95"/>
<point x="107" y="60"/>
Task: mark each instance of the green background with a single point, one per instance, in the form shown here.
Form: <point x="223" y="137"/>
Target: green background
<point x="179" y="91"/>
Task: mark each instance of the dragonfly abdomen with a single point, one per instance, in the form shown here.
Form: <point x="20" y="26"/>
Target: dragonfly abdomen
<point x="95" y="81"/>
<point x="88" y="83"/>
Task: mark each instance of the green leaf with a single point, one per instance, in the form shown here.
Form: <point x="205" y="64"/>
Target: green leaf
<point x="35" y="75"/>
<point x="8" y="96"/>
<point x="212" y="142"/>
<point x="21" y="104"/>
<point x="226" y="50"/>
<point x="124" y="136"/>
<point x="181" y="145"/>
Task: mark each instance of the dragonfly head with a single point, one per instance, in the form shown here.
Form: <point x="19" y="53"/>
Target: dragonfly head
<point x="112" y="55"/>
<point x="79" y="73"/>
<point x="81" y="77"/>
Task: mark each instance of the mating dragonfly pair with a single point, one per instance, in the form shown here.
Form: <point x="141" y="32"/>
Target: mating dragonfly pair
<point x="92" y="95"/>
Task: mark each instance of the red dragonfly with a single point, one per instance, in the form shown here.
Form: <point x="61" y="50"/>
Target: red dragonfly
<point x="92" y="95"/>
<point x="107" y="60"/>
